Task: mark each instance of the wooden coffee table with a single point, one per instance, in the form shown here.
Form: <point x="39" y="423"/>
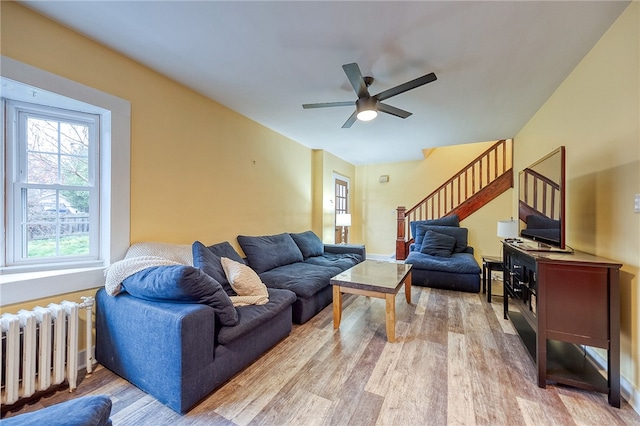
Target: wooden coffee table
<point x="375" y="279"/>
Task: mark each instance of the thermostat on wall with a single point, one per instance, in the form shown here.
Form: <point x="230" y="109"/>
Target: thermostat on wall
<point x="383" y="179"/>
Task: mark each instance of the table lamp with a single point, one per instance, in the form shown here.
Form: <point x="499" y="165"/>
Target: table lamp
<point x="508" y="229"/>
<point x="343" y="220"/>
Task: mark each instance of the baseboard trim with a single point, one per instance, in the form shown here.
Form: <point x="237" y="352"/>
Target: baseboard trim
<point x="627" y="391"/>
<point x="382" y="257"/>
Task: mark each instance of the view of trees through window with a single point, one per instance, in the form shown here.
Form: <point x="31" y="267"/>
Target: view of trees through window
<point x="56" y="218"/>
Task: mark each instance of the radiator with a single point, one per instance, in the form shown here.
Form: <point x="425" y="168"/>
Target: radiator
<point x="40" y="348"/>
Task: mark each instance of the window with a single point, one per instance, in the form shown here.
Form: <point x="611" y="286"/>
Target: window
<point x="20" y="82"/>
<point x="52" y="174"/>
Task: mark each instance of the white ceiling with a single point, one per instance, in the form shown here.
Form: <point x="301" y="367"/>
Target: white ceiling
<point x="496" y="62"/>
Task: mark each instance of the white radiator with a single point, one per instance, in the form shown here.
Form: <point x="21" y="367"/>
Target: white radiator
<point x="40" y="348"/>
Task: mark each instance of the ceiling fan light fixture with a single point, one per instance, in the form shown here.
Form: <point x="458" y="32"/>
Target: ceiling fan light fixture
<point x="367" y="109"/>
<point x="367" y="115"/>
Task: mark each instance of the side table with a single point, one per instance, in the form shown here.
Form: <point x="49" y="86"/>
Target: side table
<point x="490" y="263"/>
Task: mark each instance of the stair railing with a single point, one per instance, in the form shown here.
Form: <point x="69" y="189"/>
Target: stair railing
<point x="461" y="187"/>
<point x="539" y="195"/>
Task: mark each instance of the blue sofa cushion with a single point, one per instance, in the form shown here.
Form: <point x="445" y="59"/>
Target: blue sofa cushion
<point x="87" y="410"/>
<point x="268" y="252"/>
<point x="535" y="221"/>
<point x="342" y="261"/>
<point x="205" y="259"/>
<point x="437" y="244"/>
<point x="225" y="249"/>
<point x="309" y="244"/>
<point x="460" y="234"/>
<point x="303" y="278"/>
<point x="182" y="284"/>
<point x="452" y="220"/>
<point x="461" y="263"/>
<point x="251" y="316"/>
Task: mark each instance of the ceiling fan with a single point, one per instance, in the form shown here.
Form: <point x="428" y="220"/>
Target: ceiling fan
<point x="367" y="106"/>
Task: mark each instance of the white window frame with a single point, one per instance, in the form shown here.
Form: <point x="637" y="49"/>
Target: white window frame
<point x="17" y="113"/>
<point x="115" y="158"/>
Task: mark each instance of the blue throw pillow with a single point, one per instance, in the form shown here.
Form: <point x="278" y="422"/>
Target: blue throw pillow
<point x="225" y="249"/>
<point x="460" y="234"/>
<point x="309" y="244"/>
<point x="205" y="259"/>
<point x="182" y="284"/>
<point x="437" y="244"/>
<point x="452" y="220"/>
<point x="268" y="252"/>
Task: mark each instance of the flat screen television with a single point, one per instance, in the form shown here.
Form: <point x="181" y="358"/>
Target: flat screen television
<point x="541" y="203"/>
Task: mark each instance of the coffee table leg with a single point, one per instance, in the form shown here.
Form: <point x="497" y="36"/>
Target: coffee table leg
<point x="407" y="288"/>
<point x="391" y="317"/>
<point x="337" y="306"/>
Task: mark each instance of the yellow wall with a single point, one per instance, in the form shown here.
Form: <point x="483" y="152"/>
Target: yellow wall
<point x="198" y="169"/>
<point x="595" y="113"/>
<point x="409" y="182"/>
<point x="326" y="165"/>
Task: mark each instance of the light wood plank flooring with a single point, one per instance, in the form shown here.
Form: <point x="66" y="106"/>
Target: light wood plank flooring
<point x="455" y="361"/>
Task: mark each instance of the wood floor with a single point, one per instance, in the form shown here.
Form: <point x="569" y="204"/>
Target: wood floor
<point x="455" y="361"/>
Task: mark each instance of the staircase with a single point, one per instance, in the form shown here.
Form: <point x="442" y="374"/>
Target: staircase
<point x="482" y="180"/>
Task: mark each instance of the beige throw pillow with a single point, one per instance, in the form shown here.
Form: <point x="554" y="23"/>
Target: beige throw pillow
<point x="245" y="282"/>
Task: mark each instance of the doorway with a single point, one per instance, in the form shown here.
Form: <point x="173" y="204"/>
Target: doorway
<point x="341" y="204"/>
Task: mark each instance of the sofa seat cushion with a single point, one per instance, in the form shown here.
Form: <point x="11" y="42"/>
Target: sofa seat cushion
<point x="302" y="278"/>
<point x="181" y="284"/>
<point x="268" y="252"/>
<point x="461" y="263"/>
<point x="251" y="316"/>
<point x="342" y="261"/>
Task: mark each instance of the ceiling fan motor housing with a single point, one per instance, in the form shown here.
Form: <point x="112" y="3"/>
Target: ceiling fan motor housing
<point x="368" y="107"/>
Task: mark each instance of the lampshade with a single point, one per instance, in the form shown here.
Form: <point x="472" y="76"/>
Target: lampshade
<point x="507" y="228"/>
<point x="367" y="109"/>
<point x="343" y="219"/>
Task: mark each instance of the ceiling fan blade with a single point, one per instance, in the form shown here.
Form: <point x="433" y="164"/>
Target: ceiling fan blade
<point x="350" y="120"/>
<point x="328" y="104"/>
<point x="393" y="110"/>
<point x="406" y="86"/>
<point x="355" y="78"/>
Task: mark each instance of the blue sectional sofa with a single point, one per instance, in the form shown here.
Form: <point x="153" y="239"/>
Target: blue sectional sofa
<point x="441" y="257"/>
<point x="301" y="263"/>
<point x="177" y="352"/>
<point x="173" y="332"/>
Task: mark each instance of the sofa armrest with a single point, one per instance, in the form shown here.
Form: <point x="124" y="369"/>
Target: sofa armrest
<point x="165" y="349"/>
<point x="346" y="248"/>
<point x="469" y="250"/>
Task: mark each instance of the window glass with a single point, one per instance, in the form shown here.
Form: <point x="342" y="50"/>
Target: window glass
<point x="52" y="208"/>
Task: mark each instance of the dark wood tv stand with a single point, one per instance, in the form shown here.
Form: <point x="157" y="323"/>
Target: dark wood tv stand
<point x="564" y="300"/>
